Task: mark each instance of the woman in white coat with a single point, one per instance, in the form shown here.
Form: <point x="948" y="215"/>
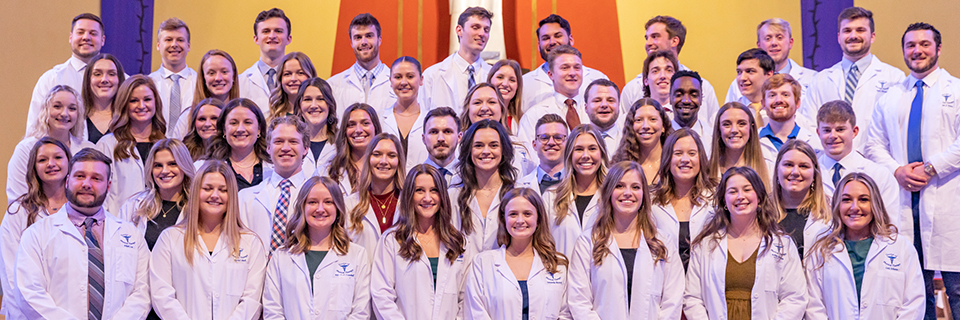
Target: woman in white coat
<point x="798" y="194"/>
<point x="485" y="176"/>
<point x="61" y="118"/>
<point x="373" y="208"/>
<point x="526" y="278"/>
<point x="101" y="82"/>
<point x="682" y="197"/>
<point x="136" y="125"/>
<point x="295" y="68"/>
<point x="208" y="266"/>
<point x="645" y="130"/>
<point x="241" y="142"/>
<point x="420" y="266"/>
<point x="318" y="273"/>
<point x="620" y="268"/>
<point x="742" y="265"/>
<point x="315" y="106"/>
<point x="167" y="181"/>
<point x="404" y="118"/>
<point x="202" y="127"/>
<point x="507" y="77"/>
<point x="863" y="269"/>
<point x="359" y="125"/>
<point x="572" y="204"/>
<point x="484" y="101"/>
<point x="736" y="142"/>
<point x="45" y="178"/>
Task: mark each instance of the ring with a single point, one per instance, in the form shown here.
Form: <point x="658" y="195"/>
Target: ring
<point x="910" y="186"/>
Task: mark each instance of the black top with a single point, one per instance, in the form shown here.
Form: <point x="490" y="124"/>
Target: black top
<point x="314" y="258"/>
<point x="316" y="147"/>
<point x="168" y="215"/>
<point x="628" y="256"/>
<point x="685" y="243"/>
<point x="94" y="134"/>
<point x="525" y="292"/>
<point x="793" y="224"/>
<point x="143" y="149"/>
<point x="582" y="203"/>
<point x="257" y="176"/>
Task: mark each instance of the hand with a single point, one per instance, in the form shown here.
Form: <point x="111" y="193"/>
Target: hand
<point x="911" y="177"/>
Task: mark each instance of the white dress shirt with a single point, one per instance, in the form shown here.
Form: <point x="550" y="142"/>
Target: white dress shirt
<point x="188" y="84"/>
<point x="538" y="88"/>
<point x="445" y="83"/>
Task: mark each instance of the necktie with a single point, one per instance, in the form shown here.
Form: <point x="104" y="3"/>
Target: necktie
<point x="444" y="172"/>
<point x="573" y="119"/>
<point x="758" y="117"/>
<point x="94" y="272"/>
<point x="280" y="215"/>
<point x="852" y="77"/>
<point x="174" y="103"/>
<point x="548" y="181"/>
<point x="367" y="83"/>
<point x="915" y="154"/>
<point x="271" y="79"/>
<point x="470" y="80"/>
<point x="836" y="173"/>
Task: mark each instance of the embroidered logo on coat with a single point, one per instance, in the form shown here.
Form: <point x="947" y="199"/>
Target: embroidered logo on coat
<point x="242" y="256"/>
<point x="125" y="241"/>
<point x="892" y="264"/>
<point x="553" y="278"/>
<point x="882" y="87"/>
<point x="343" y="272"/>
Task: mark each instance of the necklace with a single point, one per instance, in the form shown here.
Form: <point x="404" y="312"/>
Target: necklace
<point x="175" y="207"/>
<point x="383" y="205"/>
<point x="243" y="166"/>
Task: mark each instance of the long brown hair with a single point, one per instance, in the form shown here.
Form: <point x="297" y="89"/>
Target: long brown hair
<point x="666" y="189"/>
<point x="280" y="102"/>
<point x="406" y="225"/>
<point x="231" y="228"/>
<point x="86" y="91"/>
<point x="195" y="144"/>
<point x="629" y="149"/>
<point x="327" y="92"/>
<point x="515" y="105"/>
<point x="366" y="179"/>
<point x="202" y="92"/>
<point x="605" y="221"/>
<point x="815" y="203"/>
<point x="120" y="125"/>
<point x="152" y="204"/>
<point x="468" y="170"/>
<point x="465" y="113"/>
<point x="542" y="240"/>
<point x="716" y="228"/>
<point x="35" y="198"/>
<point x="342" y="164"/>
<point x="568" y="181"/>
<point x="297" y="233"/>
<point x="752" y="154"/>
<point x="219" y="147"/>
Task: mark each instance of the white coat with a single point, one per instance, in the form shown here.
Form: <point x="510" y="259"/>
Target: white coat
<point x="217" y="286"/>
<point x="369" y="237"/>
<point x="892" y="286"/>
<point x="529" y="181"/>
<point x="813" y="230"/>
<point x="889" y="189"/>
<point x="538" y="88"/>
<point x="126" y="176"/>
<point x="600" y="292"/>
<point x="11" y="229"/>
<point x="319" y="166"/>
<point x="804" y="76"/>
<point x="52" y="266"/>
<point x="341" y="286"/>
<point x="20" y="161"/>
<point x="779" y="291"/>
<point x="565" y="234"/>
<point x="940" y="134"/>
<point x="668" y="225"/>
<point x="129" y="210"/>
<point x="402" y="289"/>
<point x="483" y="237"/>
<point x="258" y="204"/>
<point x="254" y="87"/>
<point x="440" y="85"/>
<point x="830" y="84"/>
<point x="709" y="105"/>
<point x="416" y="152"/>
<point x="348" y="89"/>
<point x="494" y="293"/>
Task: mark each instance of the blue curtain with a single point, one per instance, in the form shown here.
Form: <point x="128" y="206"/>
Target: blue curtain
<point x="128" y="25"/>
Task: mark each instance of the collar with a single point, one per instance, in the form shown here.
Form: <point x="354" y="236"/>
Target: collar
<point x="861" y="64"/>
<point x="697" y="126"/>
<point x="297" y="179"/>
<point x="850" y="161"/>
<point x="561" y="99"/>
<point x="766" y="132"/>
<point x="541" y="173"/>
<point x="77" y="64"/>
<point x="450" y="167"/>
<point x="544" y="67"/>
<point x="786" y="68"/>
<point x="359" y="70"/>
<point x="928" y="81"/>
<point x="263" y="67"/>
<point x="462" y="64"/>
<point x="77" y="218"/>
<point x="166" y="73"/>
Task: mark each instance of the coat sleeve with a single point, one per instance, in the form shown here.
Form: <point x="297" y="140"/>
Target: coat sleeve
<point x="792" y="291"/>
<point x="693" y="303"/>
<point x="565" y="313"/>
<point x="580" y="290"/>
<point x="361" y="294"/>
<point x="671" y="299"/>
<point x="475" y="306"/>
<point x="878" y="135"/>
<point x="36" y="302"/>
<point x="137" y="304"/>
<point x="272" y="292"/>
<point x="11" y="228"/>
<point x="816" y="310"/>
<point x="250" y="307"/>
<point x="383" y="280"/>
<point x="914" y="297"/>
<point x="17" y="172"/>
<point x="947" y="161"/>
<point x="164" y="295"/>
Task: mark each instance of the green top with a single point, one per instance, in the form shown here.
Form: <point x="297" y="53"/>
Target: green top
<point x="313" y="262"/>
<point x="858" y="257"/>
<point x="433" y="266"/>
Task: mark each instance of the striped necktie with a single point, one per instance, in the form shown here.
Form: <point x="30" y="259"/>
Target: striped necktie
<point x="852" y="77"/>
<point x="470" y="80"/>
<point x="174" y="102"/>
<point x="94" y="273"/>
<point x="280" y="215"/>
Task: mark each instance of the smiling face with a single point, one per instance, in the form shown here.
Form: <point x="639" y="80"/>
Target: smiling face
<point x="426" y="197"/>
<point x="603" y="108"/>
<point x="213" y="195"/>
<point x="657" y="38"/>
<point x="51" y="164"/>
<point x="521" y="218"/>
<point x="104" y="79"/>
<point x="505" y="80"/>
<point x="920" y="51"/>
<point x="647" y="125"/>
<point x="206" y="121"/>
<point x="686" y="100"/>
<point x="166" y="173"/>
<point x="855" y="209"/>
<point x="552" y="35"/>
<point x="86" y="38"/>
<point x="286" y="149"/>
<point x="293" y="74"/>
<point x="63" y="112"/>
<point x="484" y="105"/>
<point x="685" y="160"/>
<point x="313" y="107"/>
<point x="567" y="74"/>
<point x="173" y="46"/>
<point x="142" y="105"/>
<point x="855" y="37"/>
<point x="384" y="160"/>
<point x="549" y="143"/>
<point x="750" y="77"/>
<point x="360" y="130"/>
<point x="319" y="210"/>
<point x="628" y="194"/>
<point x="776" y="42"/>
<point x="837" y="138"/>
<point x="242" y="128"/>
<point x="658" y="78"/>
<point x="734" y="128"/>
<point x="272" y="36"/>
<point x="795" y="172"/>
<point x="486" y="151"/>
<point x="740" y="198"/>
<point x="586" y="157"/>
<point x="365" y="43"/>
<point x="88" y="184"/>
<point x="405" y="80"/>
<point x="781" y="103"/>
<point x="218" y="76"/>
<point x="474" y="34"/>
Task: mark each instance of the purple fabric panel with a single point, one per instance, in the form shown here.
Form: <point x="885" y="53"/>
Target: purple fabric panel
<point x="128" y="26"/>
<point x="820" y="48"/>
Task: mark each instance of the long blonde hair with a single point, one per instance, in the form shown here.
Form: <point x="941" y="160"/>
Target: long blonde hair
<point x="297" y="233"/>
<point x="366" y="179"/>
<point x="152" y="204"/>
<point x="41" y="128"/>
<point x="752" y="154"/>
<point x="542" y="242"/>
<point x="231" y="227"/>
<point x="815" y="203"/>
<point x="603" y="229"/>
<point x="568" y="181"/>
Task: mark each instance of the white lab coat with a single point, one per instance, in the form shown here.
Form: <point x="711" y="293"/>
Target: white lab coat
<point x="565" y="234"/>
<point x="804" y="76"/>
<point x="440" y="85"/>
<point x="892" y="286"/>
<point x="709" y="105"/>
<point x="217" y="286"/>
<point x="52" y="266"/>
<point x="259" y="203"/>
<point x="20" y="161"/>
<point x="340" y="291"/>
<point x="369" y="237"/>
<point x="770" y="152"/>
<point x="348" y="89"/>
<point x="940" y="134"/>
<point x="600" y="292"/>
<point x="129" y="210"/>
<point x="668" y="225"/>
<point x="319" y="167"/>
<point x="126" y="176"/>
<point x="187" y="88"/>
<point x="779" y="291"/>
<point x="538" y="88"/>
<point x="889" y="189"/>
<point x="11" y="229"/>
<point x="483" y="237"/>
<point x="830" y="84"/>
<point x="416" y="152"/>
<point x="254" y="87"/>
<point x="402" y="289"/>
<point x="529" y="181"/>
<point x="494" y="293"/>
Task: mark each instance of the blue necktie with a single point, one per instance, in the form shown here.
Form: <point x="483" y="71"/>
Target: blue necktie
<point x="471" y="81"/>
<point x="836" y="173"/>
<point x="914" y="154"/>
<point x="548" y="181"/>
<point x="852" y="78"/>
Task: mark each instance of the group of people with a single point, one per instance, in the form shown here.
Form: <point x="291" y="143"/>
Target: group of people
<point x="470" y="190"/>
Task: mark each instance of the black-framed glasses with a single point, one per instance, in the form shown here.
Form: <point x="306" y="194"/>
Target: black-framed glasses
<point x="544" y="138"/>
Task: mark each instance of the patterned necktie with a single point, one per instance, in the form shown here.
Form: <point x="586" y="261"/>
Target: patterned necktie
<point x="470" y="80"/>
<point x="367" y="83"/>
<point x="174" y="103"/>
<point x="94" y="273"/>
<point x="852" y="77"/>
<point x="280" y="215"/>
<point x="836" y="173"/>
<point x="271" y="79"/>
<point x="573" y="119"/>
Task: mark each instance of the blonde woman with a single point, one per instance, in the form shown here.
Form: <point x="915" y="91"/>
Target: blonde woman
<point x="798" y="194"/>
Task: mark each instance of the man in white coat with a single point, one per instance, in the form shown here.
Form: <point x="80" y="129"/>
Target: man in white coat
<point x="176" y="82"/>
<point x="441" y="137"/>
<point x="549" y="142"/>
<point x="368" y="79"/>
<point x="266" y="207"/>
<point x="668" y="33"/>
<point x="566" y="72"/>
<point x="602" y="101"/>
<point x="446" y="84"/>
<point x="686" y="92"/>
<point x="554" y="30"/>
<point x="859" y="78"/>
<point x="754" y="67"/>
<point x="86" y="39"/>
<point x="781" y="98"/>
<point x="271" y="32"/>
<point x="83" y="262"/>
<point x="914" y="133"/>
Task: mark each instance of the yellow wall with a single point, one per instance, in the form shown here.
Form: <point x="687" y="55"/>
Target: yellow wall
<point x="893" y="17"/>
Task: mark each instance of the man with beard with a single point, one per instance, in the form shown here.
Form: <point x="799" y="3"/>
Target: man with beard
<point x="441" y="136"/>
<point x="914" y="134"/>
<point x="368" y="79"/>
<point x="550" y="141"/>
<point x="754" y="67"/>
<point x="860" y="78"/>
<point x="83" y="262"/>
<point x="271" y="31"/>
<point x="685" y="88"/>
<point x="781" y="98"/>
<point x="86" y="39"/>
<point x="446" y="84"/>
<point x="602" y="102"/>
<point x="174" y="79"/>
<point x="554" y="31"/>
<point x="566" y="72"/>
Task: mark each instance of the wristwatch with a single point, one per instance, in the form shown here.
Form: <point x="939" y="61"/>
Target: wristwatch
<point x="929" y="170"/>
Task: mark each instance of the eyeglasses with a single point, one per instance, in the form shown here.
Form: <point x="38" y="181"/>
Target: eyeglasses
<point x="544" y="138"/>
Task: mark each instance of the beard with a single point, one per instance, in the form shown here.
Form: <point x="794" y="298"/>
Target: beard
<point x="97" y="202"/>
<point x="923" y="68"/>
<point x="864" y="49"/>
<point x="374" y="54"/>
